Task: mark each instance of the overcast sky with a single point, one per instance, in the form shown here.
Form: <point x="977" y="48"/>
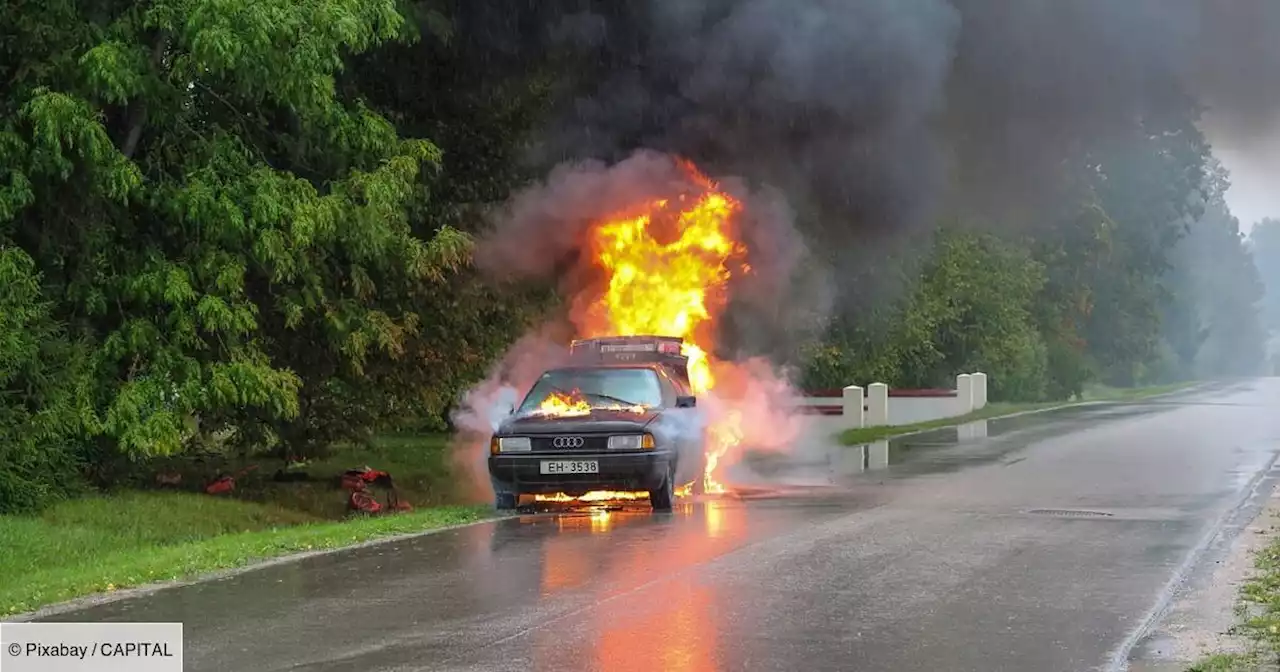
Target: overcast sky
<point x="1255" y="166"/>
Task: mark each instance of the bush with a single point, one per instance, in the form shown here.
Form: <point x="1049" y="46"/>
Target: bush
<point x="970" y="311"/>
<point x="40" y="437"/>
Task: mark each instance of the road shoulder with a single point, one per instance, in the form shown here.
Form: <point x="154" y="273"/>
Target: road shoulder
<point x="1199" y="630"/>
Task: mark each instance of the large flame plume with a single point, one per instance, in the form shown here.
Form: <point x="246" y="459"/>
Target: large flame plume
<point x="668" y="265"/>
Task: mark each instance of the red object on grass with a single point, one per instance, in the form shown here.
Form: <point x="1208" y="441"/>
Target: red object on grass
<point x="221" y="485"/>
<point x="224" y="484"/>
<point x="361" y="500"/>
<point x="355" y="478"/>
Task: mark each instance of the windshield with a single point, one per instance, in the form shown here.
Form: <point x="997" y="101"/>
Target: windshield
<point x="595" y="388"/>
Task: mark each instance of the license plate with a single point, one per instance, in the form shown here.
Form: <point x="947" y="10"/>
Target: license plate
<point x="570" y="467"/>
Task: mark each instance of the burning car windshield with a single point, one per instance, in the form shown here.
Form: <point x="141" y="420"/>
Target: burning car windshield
<point x="599" y="387"/>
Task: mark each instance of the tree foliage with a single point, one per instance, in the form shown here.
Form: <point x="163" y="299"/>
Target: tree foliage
<point x="225" y="231"/>
<point x="1212" y="323"/>
<point x="41" y="391"/>
<point x="1264" y="243"/>
<point x="1132" y="271"/>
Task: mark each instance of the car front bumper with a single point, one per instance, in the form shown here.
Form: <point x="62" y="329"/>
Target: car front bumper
<point x="521" y="473"/>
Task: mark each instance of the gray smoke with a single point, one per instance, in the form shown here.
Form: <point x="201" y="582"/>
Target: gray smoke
<point x="541" y="228"/>
<point x="482" y="408"/>
<point x="861" y="111"/>
<point x="827" y="101"/>
<point x="1237" y="66"/>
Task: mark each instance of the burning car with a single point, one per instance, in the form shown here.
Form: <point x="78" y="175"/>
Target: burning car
<point x="621" y="416"/>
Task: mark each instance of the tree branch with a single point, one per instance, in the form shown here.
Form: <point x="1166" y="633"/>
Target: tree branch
<point x="138" y="111"/>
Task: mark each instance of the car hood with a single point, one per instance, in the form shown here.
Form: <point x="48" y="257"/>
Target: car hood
<point x="598" y="421"/>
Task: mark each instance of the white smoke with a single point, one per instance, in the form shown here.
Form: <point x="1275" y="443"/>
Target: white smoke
<point x="485" y="405"/>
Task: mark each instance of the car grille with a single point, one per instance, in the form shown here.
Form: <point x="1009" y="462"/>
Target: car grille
<point x="590" y="444"/>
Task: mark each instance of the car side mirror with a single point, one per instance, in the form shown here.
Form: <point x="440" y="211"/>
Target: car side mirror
<point x="686" y="402"/>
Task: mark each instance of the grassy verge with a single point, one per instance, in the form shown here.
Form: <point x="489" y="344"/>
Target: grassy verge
<point x="1104" y="393"/>
<point x="853" y="437"/>
<point x="419" y="464"/>
<point x="134" y="537"/>
<point x="1259" y="624"/>
<point x="1230" y="662"/>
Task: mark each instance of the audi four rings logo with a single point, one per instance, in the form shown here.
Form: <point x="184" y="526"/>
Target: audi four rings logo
<point x="568" y="442"/>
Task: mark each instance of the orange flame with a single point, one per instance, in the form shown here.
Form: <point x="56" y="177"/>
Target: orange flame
<point x="609" y="495"/>
<point x="573" y="404"/>
<point x="593" y="496"/>
<point x="668" y="266"/>
<point x="564" y="405"/>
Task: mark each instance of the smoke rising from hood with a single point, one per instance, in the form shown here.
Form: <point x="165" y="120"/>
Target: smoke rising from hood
<point x="484" y="406"/>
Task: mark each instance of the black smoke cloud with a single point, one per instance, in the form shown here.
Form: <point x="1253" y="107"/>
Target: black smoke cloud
<point x="827" y="101"/>
<point x="862" y="110"/>
<point x="1237" y="70"/>
<point x="539" y="229"/>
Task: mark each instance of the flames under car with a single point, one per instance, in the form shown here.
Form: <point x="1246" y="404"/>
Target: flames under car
<point x="619" y="417"/>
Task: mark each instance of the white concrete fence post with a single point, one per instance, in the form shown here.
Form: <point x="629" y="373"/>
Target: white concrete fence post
<point x="979" y="391"/>
<point x="877" y="405"/>
<point x="878" y="455"/>
<point x="964" y="393"/>
<point x="853" y="412"/>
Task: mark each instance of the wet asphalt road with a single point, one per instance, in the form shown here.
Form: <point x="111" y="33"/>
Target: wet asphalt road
<point x="920" y="555"/>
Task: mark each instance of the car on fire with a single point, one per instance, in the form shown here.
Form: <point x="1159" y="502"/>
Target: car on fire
<point x="621" y="416"/>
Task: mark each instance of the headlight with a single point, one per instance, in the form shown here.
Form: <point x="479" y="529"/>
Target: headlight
<point x="631" y="442"/>
<point x="514" y="444"/>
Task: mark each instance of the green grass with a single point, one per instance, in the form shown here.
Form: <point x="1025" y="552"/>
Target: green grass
<point x="134" y="537"/>
<point x="1233" y="662"/>
<point x="101" y="544"/>
<point x="419" y="464"/>
<point x="861" y="435"/>
<point x="1105" y="393"/>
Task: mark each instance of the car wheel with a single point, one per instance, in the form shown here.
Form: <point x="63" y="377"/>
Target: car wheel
<point x="664" y="497"/>
<point x="504" y="499"/>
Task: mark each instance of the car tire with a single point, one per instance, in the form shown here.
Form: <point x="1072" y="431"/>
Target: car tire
<point x="504" y="499"/>
<point x="663" y="499"/>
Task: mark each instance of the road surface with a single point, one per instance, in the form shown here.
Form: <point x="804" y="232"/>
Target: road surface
<point x="926" y="554"/>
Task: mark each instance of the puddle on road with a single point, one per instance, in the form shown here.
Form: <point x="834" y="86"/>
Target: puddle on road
<point x="822" y="470"/>
<point x="933" y="451"/>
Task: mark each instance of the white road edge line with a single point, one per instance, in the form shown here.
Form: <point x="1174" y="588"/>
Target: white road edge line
<point x="1118" y="661"/>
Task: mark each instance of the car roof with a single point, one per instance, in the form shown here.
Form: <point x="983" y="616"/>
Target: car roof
<point x="658" y="368"/>
<point x="652" y="366"/>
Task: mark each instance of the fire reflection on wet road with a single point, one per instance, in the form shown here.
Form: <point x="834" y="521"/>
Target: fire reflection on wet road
<point x="678" y="605"/>
<point x="920" y="553"/>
